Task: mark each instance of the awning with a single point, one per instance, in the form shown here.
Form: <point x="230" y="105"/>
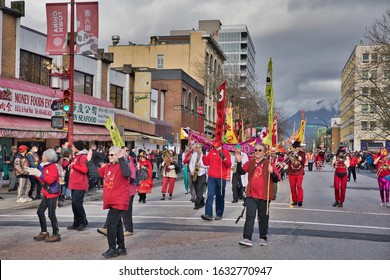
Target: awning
<point x="134" y="136"/>
<point x="23" y="127"/>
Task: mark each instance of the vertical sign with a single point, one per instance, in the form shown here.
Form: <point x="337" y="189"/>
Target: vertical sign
<point x="57" y="27"/>
<point x="87" y="28"/>
<point x="142" y="86"/>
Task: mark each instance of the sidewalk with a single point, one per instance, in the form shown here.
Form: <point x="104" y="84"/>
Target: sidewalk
<point x="9" y="198"/>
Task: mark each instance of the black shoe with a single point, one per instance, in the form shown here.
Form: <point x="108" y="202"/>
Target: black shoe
<point x="110" y="253"/>
<point x="335" y="204"/>
<point x="218" y="218"/>
<point x="340" y="205"/>
<point x="196" y="207"/>
<point x="81" y="227"/>
<point x="72" y="227"/>
<point x="299" y="204"/>
<point x="206" y="217"/>
<point x="294" y="203"/>
<point x="38" y="196"/>
<point x="121" y="251"/>
<point x="234" y="201"/>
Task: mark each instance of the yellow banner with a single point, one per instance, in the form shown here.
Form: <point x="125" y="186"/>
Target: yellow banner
<point x="230" y="137"/>
<point x="269" y="94"/>
<point x="114" y="133"/>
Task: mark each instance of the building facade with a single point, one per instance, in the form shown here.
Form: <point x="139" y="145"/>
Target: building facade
<point x="361" y="77"/>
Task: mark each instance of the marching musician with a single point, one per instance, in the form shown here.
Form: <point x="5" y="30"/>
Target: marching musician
<point x="198" y="174"/>
<point x="340" y="163"/>
<point x="278" y="161"/>
<point x="169" y="170"/>
<point x="296" y="171"/>
<point x="239" y="182"/>
<point x="382" y="164"/>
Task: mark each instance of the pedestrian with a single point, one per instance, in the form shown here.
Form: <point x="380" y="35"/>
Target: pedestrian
<point x="145" y="181"/>
<point x="116" y="196"/>
<point x="238" y="181"/>
<point x="310" y="161"/>
<point x="199" y="175"/>
<point x="10" y="161"/>
<point x="295" y="172"/>
<point x="20" y="165"/>
<point x="218" y="161"/>
<point x="382" y="164"/>
<point x="169" y="168"/>
<point x="47" y="174"/>
<point x="66" y="159"/>
<point x="97" y="159"/>
<point x="259" y="193"/>
<point x="78" y="184"/>
<point x="353" y="163"/>
<point x="277" y="160"/>
<point x="33" y="162"/>
<point x="341" y="164"/>
<point x="186" y="161"/>
<point x="185" y="169"/>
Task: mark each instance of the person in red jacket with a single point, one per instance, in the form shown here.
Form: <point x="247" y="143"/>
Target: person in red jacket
<point x="353" y="163"/>
<point x="47" y="174"/>
<point x="78" y="184"/>
<point x="116" y="196"/>
<point x="218" y="160"/>
<point x="296" y="171"/>
<point x="341" y="164"/>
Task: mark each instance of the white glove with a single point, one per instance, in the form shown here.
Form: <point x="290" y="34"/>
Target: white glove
<point x="171" y="166"/>
<point x="34" y="171"/>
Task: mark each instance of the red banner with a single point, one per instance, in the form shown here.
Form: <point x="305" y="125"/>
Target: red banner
<point x="219" y="128"/>
<point x="57" y="28"/>
<point x="87" y="16"/>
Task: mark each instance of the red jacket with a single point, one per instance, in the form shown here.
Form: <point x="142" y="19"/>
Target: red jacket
<point x="116" y="187"/>
<point x="50" y="177"/>
<point x="353" y="161"/>
<point x="218" y="168"/>
<point x="78" y="176"/>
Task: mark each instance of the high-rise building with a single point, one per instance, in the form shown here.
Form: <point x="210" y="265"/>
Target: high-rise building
<point x="364" y="86"/>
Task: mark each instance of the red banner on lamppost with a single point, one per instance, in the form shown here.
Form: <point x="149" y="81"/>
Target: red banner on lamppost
<point x="57" y="28"/>
<point x="87" y="28"/>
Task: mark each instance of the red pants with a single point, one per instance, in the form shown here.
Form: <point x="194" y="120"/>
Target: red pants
<point x="168" y="181"/>
<point x="340" y="186"/>
<point x="296" y="187"/>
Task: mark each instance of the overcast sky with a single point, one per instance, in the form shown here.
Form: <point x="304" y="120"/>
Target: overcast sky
<point x="309" y="40"/>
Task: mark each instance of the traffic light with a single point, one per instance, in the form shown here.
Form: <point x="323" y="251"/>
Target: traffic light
<point x="66" y="100"/>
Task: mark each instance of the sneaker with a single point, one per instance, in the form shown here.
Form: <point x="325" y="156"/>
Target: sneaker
<point x="246" y="242"/>
<point x="28" y="199"/>
<point x="206" y="217"/>
<point x="102" y="231"/>
<point x="234" y="201"/>
<point x="218" y="218"/>
<point x="335" y="204"/>
<point x="340" y="205"/>
<point x="263" y="242"/>
<point x="170" y="197"/>
<point x="21" y="200"/>
<point x="162" y="196"/>
<point x="127" y="233"/>
<point x="38" y="196"/>
<point x="382" y="204"/>
<point x="54" y="238"/>
<point x="81" y="227"/>
<point x="387" y="204"/>
<point x="299" y="204"/>
<point x="294" y="203"/>
<point x="41" y="236"/>
<point x="121" y="251"/>
<point x="110" y="253"/>
<point x="72" y="227"/>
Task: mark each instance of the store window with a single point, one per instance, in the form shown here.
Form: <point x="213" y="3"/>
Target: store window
<point x="32" y="70"/>
<point x="83" y="83"/>
<point x="116" y="96"/>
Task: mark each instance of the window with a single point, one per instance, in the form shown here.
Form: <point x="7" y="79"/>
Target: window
<point x="386" y="57"/>
<point x="32" y="70"/>
<point x="372" y="125"/>
<point x="374" y="74"/>
<point x="153" y="103"/>
<point x="364" y="109"/>
<point x="372" y="109"/>
<point x="366" y="57"/>
<point x="364" y="125"/>
<point x="160" y="61"/>
<point x="189" y="101"/>
<point x="83" y="83"/>
<point x="386" y="74"/>
<point x="365" y="74"/>
<point x="374" y="57"/>
<point x="365" y="91"/>
<point x="116" y="96"/>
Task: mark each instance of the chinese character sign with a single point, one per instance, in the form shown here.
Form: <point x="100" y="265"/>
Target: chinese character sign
<point x="57" y="28"/>
<point x="87" y="28"/>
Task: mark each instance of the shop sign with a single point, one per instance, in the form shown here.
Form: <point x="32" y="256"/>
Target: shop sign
<point x="16" y="102"/>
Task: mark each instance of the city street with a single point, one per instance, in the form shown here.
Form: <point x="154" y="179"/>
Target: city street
<point x="173" y="230"/>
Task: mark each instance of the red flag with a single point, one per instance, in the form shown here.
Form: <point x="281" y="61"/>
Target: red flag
<point x="275" y="131"/>
<point x="87" y="28"/>
<point x="57" y="28"/>
<point x="219" y="127"/>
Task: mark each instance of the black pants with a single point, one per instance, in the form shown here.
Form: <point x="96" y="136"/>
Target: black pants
<point x="51" y="204"/>
<point x="352" y="169"/>
<point x="310" y="166"/>
<point x="128" y="216"/>
<point x="115" y="228"/>
<point x="35" y="185"/>
<point x="79" y="216"/>
<point x="253" y="204"/>
<point x="237" y="187"/>
<point x="199" y="186"/>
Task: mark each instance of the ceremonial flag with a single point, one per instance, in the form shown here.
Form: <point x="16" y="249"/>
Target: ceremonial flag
<point x="230" y="136"/>
<point x="269" y="94"/>
<point x="57" y="28"/>
<point x="219" y="127"/>
<point x="275" y="131"/>
<point x="87" y="28"/>
<point x="114" y="133"/>
<point x="301" y="131"/>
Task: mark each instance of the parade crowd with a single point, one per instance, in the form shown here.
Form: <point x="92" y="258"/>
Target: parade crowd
<point x="62" y="173"/>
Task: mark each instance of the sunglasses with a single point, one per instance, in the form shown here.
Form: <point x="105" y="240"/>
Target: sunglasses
<point x="259" y="150"/>
<point x="111" y="155"/>
<point x="126" y="150"/>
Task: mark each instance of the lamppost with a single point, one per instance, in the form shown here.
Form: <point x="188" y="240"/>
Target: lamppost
<point x="326" y="133"/>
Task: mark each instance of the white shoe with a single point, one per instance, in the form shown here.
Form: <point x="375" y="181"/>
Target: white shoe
<point x="388" y="204"/>
<point x="21" y="200"/>
<point x="246" y="242"/>
<point x="262" y="242"/>
<point x="382" y="204"/>
<point x="28" y="199"/>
